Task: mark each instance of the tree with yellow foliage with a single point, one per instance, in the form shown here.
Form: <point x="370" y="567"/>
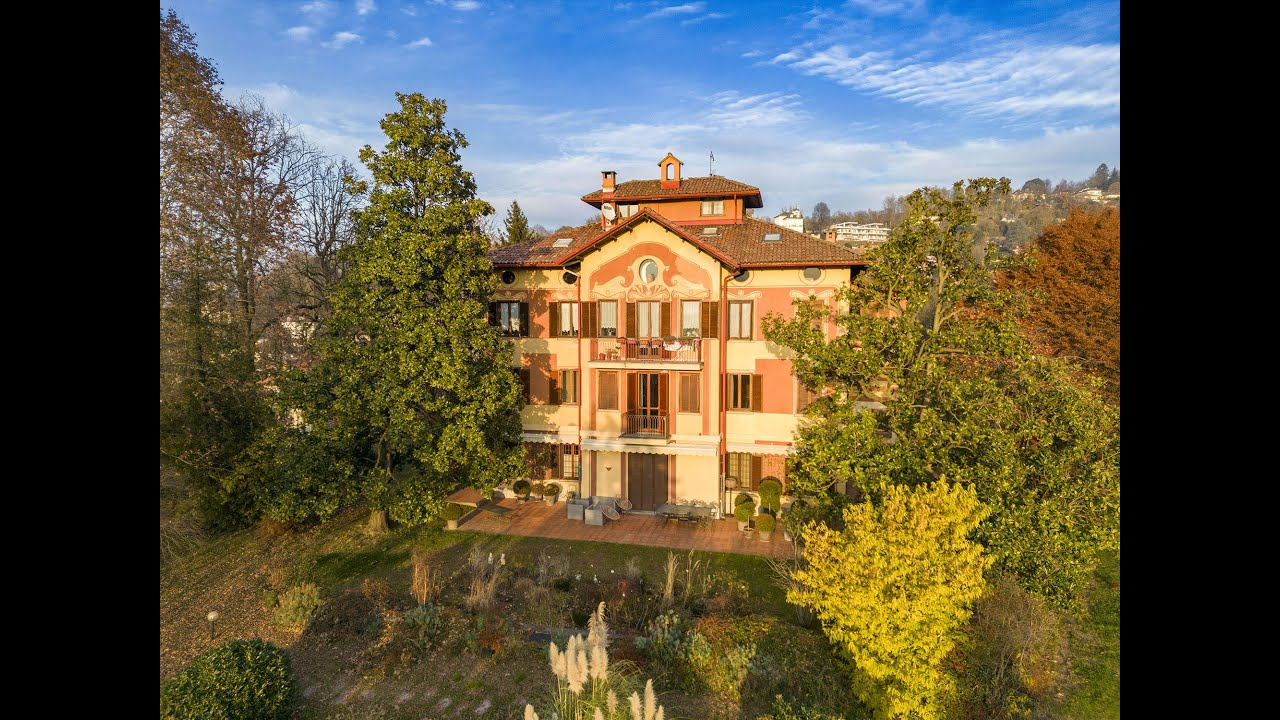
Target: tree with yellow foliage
<point x="893" y="589"/>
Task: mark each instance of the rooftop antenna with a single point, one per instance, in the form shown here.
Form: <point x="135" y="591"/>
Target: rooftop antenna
<point x="709" y="161"/>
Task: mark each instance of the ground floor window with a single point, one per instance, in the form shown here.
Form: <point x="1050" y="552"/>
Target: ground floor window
<point x="570" y="461"/>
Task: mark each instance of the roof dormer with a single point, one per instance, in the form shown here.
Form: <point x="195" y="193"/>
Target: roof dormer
<point x="669" y="169"/>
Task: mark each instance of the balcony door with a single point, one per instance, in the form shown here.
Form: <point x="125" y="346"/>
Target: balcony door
<point x="647" y="402"/>
<point x="646" y="480"/>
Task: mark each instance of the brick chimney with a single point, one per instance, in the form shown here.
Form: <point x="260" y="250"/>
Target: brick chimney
<point x="608" y="181"/>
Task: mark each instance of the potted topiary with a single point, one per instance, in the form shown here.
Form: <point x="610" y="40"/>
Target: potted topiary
<point x="771" y="495"/>
<point x="539" y="489"/>
<point x="453" y="512"/>
<point x="743" y="512"/>
<point x="764" y="524"/>
<point x="550" y="492"/>
<point x="521" y="489"/>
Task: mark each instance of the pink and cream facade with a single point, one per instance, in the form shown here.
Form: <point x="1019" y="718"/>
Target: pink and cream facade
<point x="638" y="339"/>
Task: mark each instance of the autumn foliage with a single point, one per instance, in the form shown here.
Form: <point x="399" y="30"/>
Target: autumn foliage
<point x="1073" y="289"/>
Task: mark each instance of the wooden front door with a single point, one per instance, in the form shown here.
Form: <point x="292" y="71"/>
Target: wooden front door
<point x="646" y="480"/>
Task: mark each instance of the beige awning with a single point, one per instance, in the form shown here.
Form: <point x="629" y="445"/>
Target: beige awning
<point x="613" y="445"/>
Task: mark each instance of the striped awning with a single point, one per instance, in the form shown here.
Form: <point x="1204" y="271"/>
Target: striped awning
<point x="759" y="449"/>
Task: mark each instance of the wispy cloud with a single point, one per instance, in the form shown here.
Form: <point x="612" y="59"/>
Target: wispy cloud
<point x="751" y="54"/>
<point x="316" y="7"/>
<point x="342" y="39"/>
<point x="466" y="5"/>
<point x="423" y="41"/>
<point x="708" y="16"/>
<point x="364" y="7"/>
<point x="686" y="9"/>
<point x="301" y="32"/>
<point x="1016" y="81"/>
<point x="887" y="7"/>
<point x="730" y="109"/>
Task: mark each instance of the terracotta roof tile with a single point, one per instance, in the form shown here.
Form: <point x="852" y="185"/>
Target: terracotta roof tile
<point x="713" y="185"/>
<point x="743" y="245"/>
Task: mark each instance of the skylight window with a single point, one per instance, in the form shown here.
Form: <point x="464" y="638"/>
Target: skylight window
<point x="773" y="237"/>
<point x="711" y="230"/>
<point x="562" y="242"/>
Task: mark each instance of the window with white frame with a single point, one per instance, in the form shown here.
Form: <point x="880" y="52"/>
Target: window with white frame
<point x="569" y="319"/>
<point x="713" y="207"/>
<point x="648" y="316"/>
<point x="690" y="318"/>
<point x="740" y="320"/>
<point x="608" y="318"/>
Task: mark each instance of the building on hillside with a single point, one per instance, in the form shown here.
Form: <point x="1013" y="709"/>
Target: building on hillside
<point x="638" y="340"/>
<point x="792" y="219"/>
<point x="854" y="235"/>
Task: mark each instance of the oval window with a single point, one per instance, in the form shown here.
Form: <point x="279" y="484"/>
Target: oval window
<point x="569" y="278"/>
<point x="508" y="277"/>
<point x="812" y="273"/>
<point x="742" y="276"/>
<point x="648" y="271"/>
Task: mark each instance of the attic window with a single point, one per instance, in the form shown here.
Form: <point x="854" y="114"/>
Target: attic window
<point x="562" y="242"/>
<point x="711" y="230"/>
<point x="773" y="237"/>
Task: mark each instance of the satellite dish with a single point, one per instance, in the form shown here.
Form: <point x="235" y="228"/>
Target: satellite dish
<point x="607" y="210"/>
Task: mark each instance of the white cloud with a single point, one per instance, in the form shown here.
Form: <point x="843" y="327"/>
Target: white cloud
<point x="364" y="7"/>
<point x="423" y="41"/>
<point x="687" y="8"/>
<point x="342" y="39"/>
<point x="731" y="110"/>
<point x="317" y="7"/>
<point x="409" y="10"/>
<point x="708" y="16"/>
<point x="466" y="5"/>
<point x="301" y="32"/>
<point x="1010" y="82"/>
<point x="751" y="54"/>
<point x="887" y="7"/>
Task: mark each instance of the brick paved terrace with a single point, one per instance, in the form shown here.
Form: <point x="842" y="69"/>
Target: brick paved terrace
<point x="536" y="519"/>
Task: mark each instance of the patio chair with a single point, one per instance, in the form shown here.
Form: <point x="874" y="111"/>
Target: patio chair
<point x="623" y="504"/>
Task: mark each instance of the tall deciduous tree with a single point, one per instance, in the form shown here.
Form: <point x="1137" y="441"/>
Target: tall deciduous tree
<point x="516" y="226"/>
<point x="821" y="217"/>
<point x="893" y="589"/>
<point x="416" y="364"/>
<point x="1073" y="290"/>
<point x="928" y="336"/>
<point x="211" y="406"/>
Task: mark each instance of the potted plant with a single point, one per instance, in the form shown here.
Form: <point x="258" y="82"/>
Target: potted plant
<point x="539" y="489"/>
<point x="771" y="495"/>
<point x="521" y="489"/>
<point x="743" y="512"/>
<point x="550" y="492"/>
<point x="453" y="512"/>
<point x="764" y="524"/>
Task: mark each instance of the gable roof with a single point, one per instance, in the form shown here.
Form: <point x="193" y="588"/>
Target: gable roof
<point x="713" y="186"/>
<point x="737" y="246"/>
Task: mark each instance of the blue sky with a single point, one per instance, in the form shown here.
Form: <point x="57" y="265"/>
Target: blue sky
<point x="836" y="102"/>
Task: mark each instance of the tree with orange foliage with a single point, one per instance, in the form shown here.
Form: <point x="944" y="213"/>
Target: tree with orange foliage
<point x="1073" y="292"/>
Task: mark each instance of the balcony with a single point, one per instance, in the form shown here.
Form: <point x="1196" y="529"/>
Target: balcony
<point x="643" y="425"/>
<point x="631" y="352"/>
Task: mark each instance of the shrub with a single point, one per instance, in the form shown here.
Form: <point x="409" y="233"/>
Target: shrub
<point x="765" y="523"/>
<point x="551" y="490"/>
<point x="783" y="710"/>
<point x="539" y="489"/>
<point x="297" y="605"/>
<point x="744" y="511"/>
<point x="425" y="626"/>
<point x="238" y="679"/>
<point x="771" y="495"/>
<point x="453" y="511"/>
<point x="521" y="487"/>
<point x="743" y="499"/>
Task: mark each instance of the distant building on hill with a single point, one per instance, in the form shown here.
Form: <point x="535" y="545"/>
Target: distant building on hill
<point x="791" y="219"/>
<point x="852" y="234"/>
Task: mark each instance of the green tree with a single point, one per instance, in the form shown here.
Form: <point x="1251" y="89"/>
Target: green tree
<point x="517" y="226"/>
<point x="931" y="336"/>
<point x="1099" y="177"/>
<point x="893" y="589"/>
<point x="415" y="363"/>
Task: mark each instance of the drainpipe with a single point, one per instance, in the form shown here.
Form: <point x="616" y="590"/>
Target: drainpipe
<point x="581" y="399"/>
<point x="724" y="347"/>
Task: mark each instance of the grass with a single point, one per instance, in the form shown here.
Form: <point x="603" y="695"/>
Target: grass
<point x="1096" y="648"/>
<point x="352" y="662"/>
